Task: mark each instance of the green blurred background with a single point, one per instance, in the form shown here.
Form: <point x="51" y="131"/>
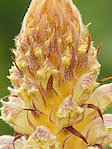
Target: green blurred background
<point x="98" y="12"/>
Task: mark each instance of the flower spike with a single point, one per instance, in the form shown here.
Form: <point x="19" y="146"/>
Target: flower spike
<point x="54" y="72"/>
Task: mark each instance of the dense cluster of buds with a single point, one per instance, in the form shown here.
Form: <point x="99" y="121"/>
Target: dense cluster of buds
<point x="56" y="102"/>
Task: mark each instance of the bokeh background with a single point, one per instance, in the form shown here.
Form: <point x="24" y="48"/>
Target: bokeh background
<point x="98" y="12"/>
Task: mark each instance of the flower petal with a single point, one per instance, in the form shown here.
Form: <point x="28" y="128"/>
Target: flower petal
<point x="99" y="132"/>
<point x="7" y="142"/>
<point x="84" y="87"/>
<point x="68" y="112"/>
<point x="41" y="138"/>
<point x="16" y="116"/>
<point x="92" y="147"/>
<point x="102" y="96"/>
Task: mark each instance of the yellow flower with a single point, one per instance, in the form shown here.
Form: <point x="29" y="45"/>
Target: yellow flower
<point x="55" y="101"/>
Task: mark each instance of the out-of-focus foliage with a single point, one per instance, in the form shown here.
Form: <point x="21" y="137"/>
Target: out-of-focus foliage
<point x="98" y="12"/>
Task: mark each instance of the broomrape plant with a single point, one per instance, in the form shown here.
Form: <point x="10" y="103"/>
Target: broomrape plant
<point x="56" y="102"/>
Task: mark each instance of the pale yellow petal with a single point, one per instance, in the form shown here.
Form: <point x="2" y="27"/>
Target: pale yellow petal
<point x="18" y="118"/>
<point x="7" y="142"/>
<point x="41" y="138"/>
<point x="99" y="132"/>
<point x="84" y="87"/>
<point x="102" y="96"/>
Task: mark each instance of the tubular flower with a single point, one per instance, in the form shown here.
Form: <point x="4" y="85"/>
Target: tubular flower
<point x="55" y="100"/>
